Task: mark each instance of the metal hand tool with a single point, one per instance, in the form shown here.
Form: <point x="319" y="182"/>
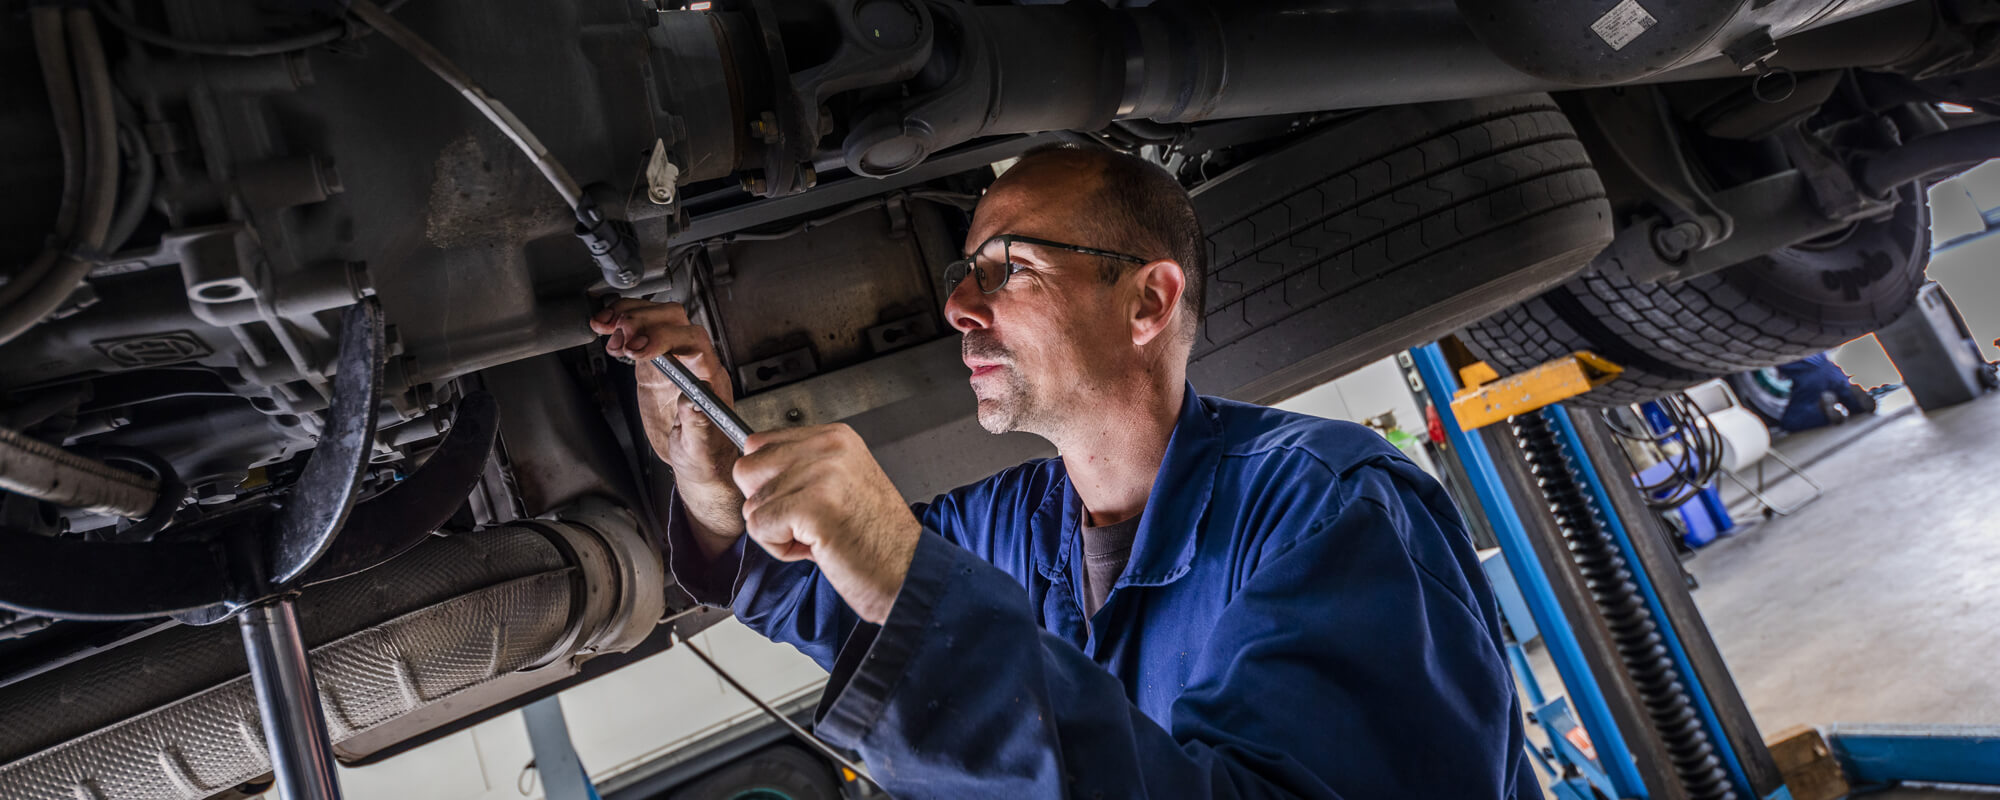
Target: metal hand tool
<point x="704" y="398"/>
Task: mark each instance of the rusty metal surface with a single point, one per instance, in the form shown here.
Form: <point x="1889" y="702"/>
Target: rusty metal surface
<point x="825" y="288"/>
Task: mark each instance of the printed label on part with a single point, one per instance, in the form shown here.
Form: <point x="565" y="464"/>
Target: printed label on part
<point x="1623" y="23"/>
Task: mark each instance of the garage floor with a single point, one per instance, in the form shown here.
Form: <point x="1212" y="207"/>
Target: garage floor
<point x="1879" y="602"/>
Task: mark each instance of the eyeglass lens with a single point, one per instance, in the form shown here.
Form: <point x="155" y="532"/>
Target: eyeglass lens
<point x="988" y="267"/>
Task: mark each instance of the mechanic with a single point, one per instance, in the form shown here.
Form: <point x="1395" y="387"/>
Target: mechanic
<point x="1197" y="598"/>
<point x="1822" y="394"/>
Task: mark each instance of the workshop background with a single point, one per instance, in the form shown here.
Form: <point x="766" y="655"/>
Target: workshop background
<point x="1876" y="601"/>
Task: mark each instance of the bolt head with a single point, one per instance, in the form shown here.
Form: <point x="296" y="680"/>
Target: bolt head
<point x="625" y="279"/>
<point x="662" y="194"/>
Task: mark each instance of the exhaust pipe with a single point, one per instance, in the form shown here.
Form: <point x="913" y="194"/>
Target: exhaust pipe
<point x="174" y="717"/>
<point x="935" y="74"/>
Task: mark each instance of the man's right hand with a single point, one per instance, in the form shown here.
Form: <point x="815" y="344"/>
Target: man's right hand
<point x="701" y="456"/>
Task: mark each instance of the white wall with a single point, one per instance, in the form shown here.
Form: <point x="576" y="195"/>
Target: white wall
<point x="1365" y="393"/>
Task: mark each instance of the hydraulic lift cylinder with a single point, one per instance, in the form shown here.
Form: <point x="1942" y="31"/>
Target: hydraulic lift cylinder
<point x="288" y="702"/>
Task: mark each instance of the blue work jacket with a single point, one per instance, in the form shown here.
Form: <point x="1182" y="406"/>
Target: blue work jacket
<point x="1303" y="615"/>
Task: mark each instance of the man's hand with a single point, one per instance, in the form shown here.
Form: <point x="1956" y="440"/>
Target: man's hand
<point x="816" y="493"/>
<point x="682" y="436"/>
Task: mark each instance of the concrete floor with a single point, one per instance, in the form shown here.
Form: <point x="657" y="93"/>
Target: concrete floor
<point x="1879" y="602"/>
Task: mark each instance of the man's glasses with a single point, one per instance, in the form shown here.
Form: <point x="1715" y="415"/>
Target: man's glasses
<point x="993" y="263"/>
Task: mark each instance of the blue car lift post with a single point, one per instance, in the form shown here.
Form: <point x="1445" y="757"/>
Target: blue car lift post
<point x="1660" y="714"/>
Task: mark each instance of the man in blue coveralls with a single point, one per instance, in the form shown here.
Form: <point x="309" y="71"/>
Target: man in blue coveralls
<point x="1197" y="598"/>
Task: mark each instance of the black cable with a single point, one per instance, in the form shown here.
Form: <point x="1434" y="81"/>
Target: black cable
<point x="798" y="731"/>
<point x="331" y="33"/>
<point x="1700" y="459"/>
<point x="59" y="81"/>
<point x="139" y="190"/>
<point x="98" y="193"/>
<point x="172" y="490"/>
<point x="378" y="18"/>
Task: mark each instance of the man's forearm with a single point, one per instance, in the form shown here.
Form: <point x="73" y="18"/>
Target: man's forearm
<point x="714" y="516"/>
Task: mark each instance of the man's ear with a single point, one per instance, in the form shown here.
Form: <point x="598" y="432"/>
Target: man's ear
<point x="1159" y="284"/>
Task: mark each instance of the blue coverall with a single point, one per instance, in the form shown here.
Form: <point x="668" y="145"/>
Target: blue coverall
<point x="1303" y="615"/>
<point x="1811" y="377"/>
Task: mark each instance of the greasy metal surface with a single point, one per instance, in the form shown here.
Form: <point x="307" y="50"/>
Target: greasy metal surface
<point x="932" y="368"/>
<point x="554" y="440"/>
<point x="193" y="748"/>
<point x="400" y="518"/>
<point x="319" y="503"/>
<point x="824" y="288"/>
<point x="831" y="194"/>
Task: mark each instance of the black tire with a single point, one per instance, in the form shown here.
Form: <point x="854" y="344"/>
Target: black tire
<point x="1767" y="311"/>
<point x="1764" y="392"/>
<point x="779" y="772"/>
<point x="1384" y="230"/>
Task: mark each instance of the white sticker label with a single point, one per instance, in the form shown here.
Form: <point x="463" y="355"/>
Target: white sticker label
<point x="1623" y="23"/>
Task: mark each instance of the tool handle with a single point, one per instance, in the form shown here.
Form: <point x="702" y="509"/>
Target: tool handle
<point x="704" y="398"/>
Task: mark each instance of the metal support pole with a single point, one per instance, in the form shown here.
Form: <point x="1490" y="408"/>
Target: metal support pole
<point x="561" y="771"/>
<point x="288" y="702"/>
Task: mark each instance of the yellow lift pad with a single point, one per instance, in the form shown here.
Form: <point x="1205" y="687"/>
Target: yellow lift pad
<point x="1487" y="398"/>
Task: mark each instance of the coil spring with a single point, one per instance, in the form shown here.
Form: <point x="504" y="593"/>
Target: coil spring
<point x="1616" y="593"/>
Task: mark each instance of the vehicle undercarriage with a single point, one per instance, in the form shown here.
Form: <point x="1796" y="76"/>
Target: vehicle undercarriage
<point x="217" y="211"/>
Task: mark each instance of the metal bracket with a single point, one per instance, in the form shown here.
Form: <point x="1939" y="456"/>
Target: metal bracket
<point x="1488" y="398"/>
<point x="403" y="516"/>
<point x="325" y="492"/>
<point x="1636" y="126"/>
<point x="661" y="175"/>
<point x="210" y="574"/>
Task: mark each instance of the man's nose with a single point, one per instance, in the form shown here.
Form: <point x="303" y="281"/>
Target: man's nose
<point x="966" y="309"/>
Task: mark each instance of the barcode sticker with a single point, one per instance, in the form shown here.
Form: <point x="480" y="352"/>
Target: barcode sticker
<point x="1623" y="23"/>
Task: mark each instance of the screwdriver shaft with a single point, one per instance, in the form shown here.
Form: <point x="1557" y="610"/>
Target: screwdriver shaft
<point x="704" y="398"/>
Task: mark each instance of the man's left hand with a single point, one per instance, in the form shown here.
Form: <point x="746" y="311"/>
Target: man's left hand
<point x="816" y="493"/>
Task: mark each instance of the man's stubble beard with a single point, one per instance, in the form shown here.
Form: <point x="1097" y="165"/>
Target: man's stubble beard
<point x="1003" y="408"/>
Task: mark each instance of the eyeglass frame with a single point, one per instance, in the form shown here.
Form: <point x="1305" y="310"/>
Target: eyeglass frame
<point x="965" y="266"/>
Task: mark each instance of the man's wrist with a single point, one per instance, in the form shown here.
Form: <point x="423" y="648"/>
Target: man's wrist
<point x="714" y="515"/>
